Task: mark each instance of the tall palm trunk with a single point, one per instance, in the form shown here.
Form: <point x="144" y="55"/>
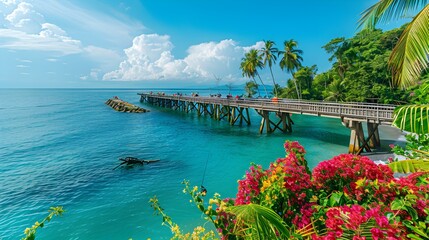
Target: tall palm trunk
<point x="274" y="82"/>
<point x="259" y="93"/>
<point x="260" y="79"/>
<point x="297" y="91"/>
<point x="296" y="86"/>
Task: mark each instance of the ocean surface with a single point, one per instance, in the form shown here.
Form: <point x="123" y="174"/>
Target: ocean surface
<point x="58" y="147"/>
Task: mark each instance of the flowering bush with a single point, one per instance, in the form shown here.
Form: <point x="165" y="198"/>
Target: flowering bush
<point x="347" y="196"/>
<point x="359" y="223"/>
<point x="341" y="172"/>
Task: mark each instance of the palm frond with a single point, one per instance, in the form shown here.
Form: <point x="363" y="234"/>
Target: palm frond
<point x="384" y="10"/>
<point x="410" y="55"/>
<point x="410" y="166"/>
<point x="254" y="221"/>
<point x="412" y="118"/>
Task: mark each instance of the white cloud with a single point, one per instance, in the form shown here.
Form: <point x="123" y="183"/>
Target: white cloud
<point x="27" y="30"/>
<point x="9" y="2"/>
<point x="25" y="18"/>
<point x="206" y="59"/>
<point x="46" y="40"/>
<point x="52" y="60"/>
<point x="150" y="58"/>
<point x="111" y="27"/>
<point x="21" y="66"/>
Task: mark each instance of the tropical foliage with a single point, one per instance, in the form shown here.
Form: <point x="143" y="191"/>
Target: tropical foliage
<point x="409" y="57"/>
<point x="269" y="52"/>
<point x="250" y="64"/>
<point x="416" y="154"/>
<point x="291" y="59"/>
<point x="415" y="118"/>
<point x="250" y="88"/>
<point x="359" y="69"/>
<point x="359" y="72"/>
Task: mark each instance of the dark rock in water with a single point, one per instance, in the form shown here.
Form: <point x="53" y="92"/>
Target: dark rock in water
<point x="131" y="161"/>
<point x="122" y="106"/>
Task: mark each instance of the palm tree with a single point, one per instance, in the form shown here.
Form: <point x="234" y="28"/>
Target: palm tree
<point x="410" y="55"/>
<point x="336" y="47"/>
<point x="250" y="88"/>
<point x="250" y="64"/>
<point x="335" y="91"/>
<point x="269" y="55"/>
<point x="247" y="71"/>
<point x="291" y="59"/>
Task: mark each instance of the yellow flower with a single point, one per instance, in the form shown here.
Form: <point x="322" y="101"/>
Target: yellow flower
<point x="314" y="198"/>
<point x="359" y="183"/>
<point x="175" y="229"/>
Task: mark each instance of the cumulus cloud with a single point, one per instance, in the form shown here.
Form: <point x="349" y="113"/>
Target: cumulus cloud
<point x="25" y="18"/>
<point x="27" y="30"/>
<point x="150" y="58"/>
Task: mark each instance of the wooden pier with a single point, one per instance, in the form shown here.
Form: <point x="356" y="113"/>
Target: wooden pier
<point x="276" y="115"/>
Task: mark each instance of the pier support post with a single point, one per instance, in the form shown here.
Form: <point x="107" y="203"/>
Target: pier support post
<point x="357" y="139"/>
<point x="284" y="124"/>
<point x="265" y="122"/>
<point x="355" y="135"/>
<point x="374" y="135"/>
<point x="237" y="113"/>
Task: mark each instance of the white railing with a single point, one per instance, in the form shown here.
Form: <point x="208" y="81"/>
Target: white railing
<point x="380" y="113"/>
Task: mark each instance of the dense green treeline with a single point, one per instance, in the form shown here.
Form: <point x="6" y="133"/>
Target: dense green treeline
<point x="359" y="72"/>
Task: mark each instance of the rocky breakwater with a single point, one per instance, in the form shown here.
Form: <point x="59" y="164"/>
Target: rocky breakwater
<point x="122" y="106"/>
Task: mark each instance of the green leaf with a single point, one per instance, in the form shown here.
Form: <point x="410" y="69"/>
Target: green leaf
<point x="259" y="222"/>
<point x="335" y="199"/>
<point x="412" y="118"/>
<point x="412" y="236"/>
<point x="409" y="166"/>
<point x="396" y="205"/>
<point x="412" y="212"/>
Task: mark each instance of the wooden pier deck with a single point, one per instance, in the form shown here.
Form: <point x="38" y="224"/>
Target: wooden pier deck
<point x="236" y="111"/>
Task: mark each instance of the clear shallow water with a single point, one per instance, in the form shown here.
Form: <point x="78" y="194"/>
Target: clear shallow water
<point x="58" y="147"/>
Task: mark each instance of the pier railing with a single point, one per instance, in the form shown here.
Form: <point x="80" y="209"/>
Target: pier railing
<point x="363" y="112"/>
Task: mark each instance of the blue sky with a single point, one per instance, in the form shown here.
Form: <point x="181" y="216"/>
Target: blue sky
<point x="162" y="43"/>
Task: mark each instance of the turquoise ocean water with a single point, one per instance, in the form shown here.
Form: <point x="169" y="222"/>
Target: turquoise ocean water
<point x="58" y="147"/>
